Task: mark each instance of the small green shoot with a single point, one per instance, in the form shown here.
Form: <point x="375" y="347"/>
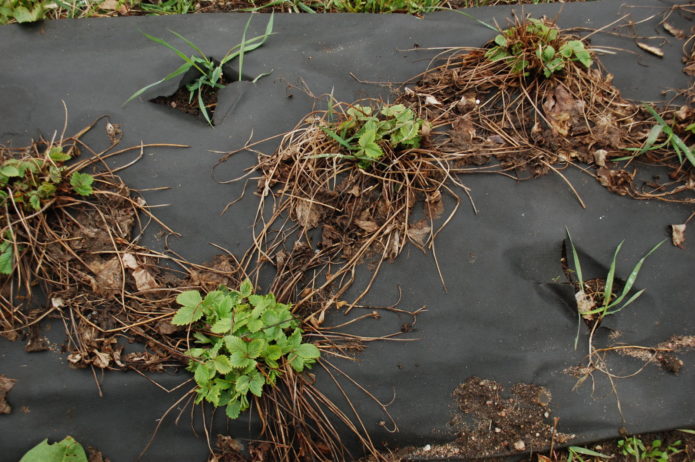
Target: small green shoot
<point x="82" y="183"/>
<point x="362" y="132"/>
<point x="576" y="453"/>
<point x="682" y="150"/>
<point x="209" y="71"/>
<point x="610" y="303"/>
<point x="246" y="341"/>
<point x="656" y="452"/>
<point x="535" y="45"/>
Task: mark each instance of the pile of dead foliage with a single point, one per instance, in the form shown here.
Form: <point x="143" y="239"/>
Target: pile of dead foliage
<point x="536" y="100"/>
<point x="70" y="228"/>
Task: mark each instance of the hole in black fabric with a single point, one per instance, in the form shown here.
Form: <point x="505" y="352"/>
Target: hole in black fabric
<point x="189" y="103"/>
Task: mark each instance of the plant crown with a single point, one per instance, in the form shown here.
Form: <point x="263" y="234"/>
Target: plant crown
<point x="245" y="338"/>
<point x="535" y="46"/>
<point x="362" y="132"/>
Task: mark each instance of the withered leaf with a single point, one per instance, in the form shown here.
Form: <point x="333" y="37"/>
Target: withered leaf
<point x="108" y="275"/>
<point x="419" y="232"/>
<point x="678" y="33"/>
<point x="307" y="214"/>
<point x="6" y="385"/>
<point x="367" y="225"/>
<point x="144" y="280"/>
<point x="656" y="51"/>
<point x="562" y="110"/>
<point x="678" y="235"/>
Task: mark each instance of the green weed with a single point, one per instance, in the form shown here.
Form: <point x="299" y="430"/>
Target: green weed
<point x="247" y="340"/>
<point x="209" y="71"/>
<point x="576" y="453"/>
<point x="672" y="140"/>
<point x="656" y="452"/>
<point x="535" y="46"/>
<point x="168" y="7"/>
<point x="362" y="132"/>
<point x="608" y="302"/>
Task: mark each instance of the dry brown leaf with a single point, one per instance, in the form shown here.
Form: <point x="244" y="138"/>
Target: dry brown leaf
<point x="6" y="385"/>
<point x="462" y="131"/>
<point x="420" y="232"/>
<point x="101" y="360"/>
<point x="108" y="275"/>
<point x="367" y="225"/>
<point x="600" y="157"/>
<point x="144" y="280"/>
<point x="307" y="214"/>
<point x="678" y="235"/>
<point x="678" y="33"/>
<point x="656" y="51"/>
<point x="432" y="101"/>
<point x="129" y="261"/>
<point x="561" y="110"/>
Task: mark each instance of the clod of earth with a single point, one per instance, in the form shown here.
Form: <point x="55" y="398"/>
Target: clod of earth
<point x="6" y="384"/>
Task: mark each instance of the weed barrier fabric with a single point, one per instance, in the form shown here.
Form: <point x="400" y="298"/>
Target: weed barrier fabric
<point x="505" y="314"/>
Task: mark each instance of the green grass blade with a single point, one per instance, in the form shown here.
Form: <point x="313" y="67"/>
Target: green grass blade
<point x="241" y="49"/>
<point x="261" y="75"/>
<point x="608" y="289"/>
<point x="468" y="15"/>
<point x="190" y="44"/>
<point x="651" y="139"/>
<point x="203" y="109"/>
<point x="181" y="70"/>
<point x="306" y="8"/>
<point x="251" y="44"/>
<point x="178" y="52"/>
<point x="628" y="302"/>
<point x="337" y="138"/>
<point x="633" y="276"/>
<point x="678" y="143"/>
<point x="575" y="257"/>
<point x="588" y="452"/>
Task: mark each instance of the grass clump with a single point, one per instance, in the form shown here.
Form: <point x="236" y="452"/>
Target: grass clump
<point x="246" y="339"/>
<point x="672" y="142"/>
<point x="635" y="449"/>
<point x="209" y="71"/>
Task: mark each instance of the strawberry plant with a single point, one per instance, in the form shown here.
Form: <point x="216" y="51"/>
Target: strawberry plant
<point x="245" y="341"/>
<point x="537" y="46"/>
<point x="31" y="182"/>
<point x="363" y="133"/>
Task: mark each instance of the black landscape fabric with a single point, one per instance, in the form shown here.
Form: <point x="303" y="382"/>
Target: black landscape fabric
<point x="505" y="314"/>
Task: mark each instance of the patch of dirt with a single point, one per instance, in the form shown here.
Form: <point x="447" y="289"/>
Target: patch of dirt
<point x="181" y="100"/>
<point x="492" y="425"/>
<point x="6" y="384"/>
